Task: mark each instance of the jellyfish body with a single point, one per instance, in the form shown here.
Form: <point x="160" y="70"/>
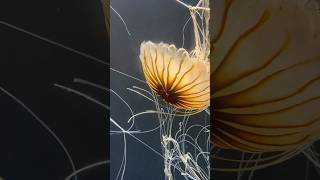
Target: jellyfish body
<point x="177" y="78"/>
<point x="182" y="80"/>
<point x="265" y="76"/>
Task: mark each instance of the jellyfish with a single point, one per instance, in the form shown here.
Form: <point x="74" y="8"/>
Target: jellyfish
<point x="177" y="83"/>
<point x="265" y="81"/>
<point x="178" y="79"/>
<point x="182" y="80"/>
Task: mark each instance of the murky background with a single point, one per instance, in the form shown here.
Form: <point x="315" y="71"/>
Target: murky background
<point x="28" y="69"/>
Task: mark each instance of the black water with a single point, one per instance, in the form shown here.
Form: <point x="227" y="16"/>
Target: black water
<point x="29" y="67"/>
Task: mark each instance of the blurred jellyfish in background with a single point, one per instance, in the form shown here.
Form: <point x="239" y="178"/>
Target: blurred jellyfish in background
<point x="265" y="65"/>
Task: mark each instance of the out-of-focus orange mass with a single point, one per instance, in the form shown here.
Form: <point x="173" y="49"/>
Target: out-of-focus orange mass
<point x="265" y="61"/>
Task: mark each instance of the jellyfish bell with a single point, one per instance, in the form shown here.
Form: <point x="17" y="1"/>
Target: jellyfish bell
<point x="179" y="79"/>
<point x="265" y="75"/>
<point x="182" y="80"/>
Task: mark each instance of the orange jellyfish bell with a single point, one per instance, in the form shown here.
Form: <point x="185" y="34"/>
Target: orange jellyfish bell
<point x="266" y="78"/>
<point x="179" y="79"/>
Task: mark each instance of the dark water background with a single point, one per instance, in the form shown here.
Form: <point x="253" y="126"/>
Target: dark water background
<point x="28" y="69"/>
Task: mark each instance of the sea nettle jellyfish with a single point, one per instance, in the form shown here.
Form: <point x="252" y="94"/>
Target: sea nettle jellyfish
<point x="182" y="81"/>
<point x="179" y="79"/>
<point x="265" y="80"/>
